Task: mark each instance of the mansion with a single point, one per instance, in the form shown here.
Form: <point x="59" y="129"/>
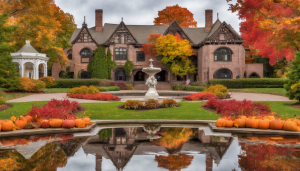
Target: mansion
<point x="219" y="51"/>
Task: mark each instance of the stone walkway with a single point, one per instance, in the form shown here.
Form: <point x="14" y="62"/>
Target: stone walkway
<point x="61" y="96"/>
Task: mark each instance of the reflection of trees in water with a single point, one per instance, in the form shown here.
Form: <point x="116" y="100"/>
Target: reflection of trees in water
<point x="262" y="157"/>
<point x="49" y="157"/>
<point x="105" y="134"/>
<point x="174" y="162"/>
<point x="173" y="138"/>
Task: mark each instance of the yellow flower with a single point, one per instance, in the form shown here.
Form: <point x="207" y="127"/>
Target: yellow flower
<point x="13" y="118"/>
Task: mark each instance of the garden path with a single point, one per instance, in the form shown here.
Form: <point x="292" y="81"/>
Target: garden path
<point x="61" y="96"/>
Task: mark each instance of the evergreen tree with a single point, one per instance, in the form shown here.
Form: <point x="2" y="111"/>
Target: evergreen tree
<point x="100" y="67"/>
<point x="292" y="88"/>
<point x="110" y="63"/>
<point x="9" y="78"/>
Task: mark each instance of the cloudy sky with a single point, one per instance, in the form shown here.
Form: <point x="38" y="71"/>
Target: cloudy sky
<point x="143" y="12"/>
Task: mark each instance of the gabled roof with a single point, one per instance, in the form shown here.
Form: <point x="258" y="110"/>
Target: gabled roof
<point x="121" y="25"/>
<point x="175" y="28"/>
<point x="76" y="36"/>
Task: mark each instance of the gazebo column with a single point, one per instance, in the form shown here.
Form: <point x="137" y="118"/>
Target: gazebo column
<point x="45" y="70"/>
<point x="36" y="72"/>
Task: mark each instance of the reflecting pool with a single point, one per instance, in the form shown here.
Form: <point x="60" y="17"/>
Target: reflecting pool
<point x="150" y="148"/>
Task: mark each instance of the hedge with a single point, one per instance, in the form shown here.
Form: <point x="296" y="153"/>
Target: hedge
<point x="251" y="82"/>
<point x="112" y="88"/>
<point x="71" y="83"/>
<point x="187" y="88"/>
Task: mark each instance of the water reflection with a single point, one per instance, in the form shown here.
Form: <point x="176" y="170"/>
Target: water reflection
<point x="150" y="147"/>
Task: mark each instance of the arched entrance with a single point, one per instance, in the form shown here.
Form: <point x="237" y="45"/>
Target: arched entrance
<point x="120" y="75"/>
<point x="254" y="75"/>
<point x="161" y="76"/>
<point x="223" y="74"/>
<point x="42" y="72"/>
<point x="139" y="76"/>
<point x="29" y="70"/>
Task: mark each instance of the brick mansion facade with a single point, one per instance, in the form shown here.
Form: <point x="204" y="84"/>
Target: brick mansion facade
<point x="219" y="51"/>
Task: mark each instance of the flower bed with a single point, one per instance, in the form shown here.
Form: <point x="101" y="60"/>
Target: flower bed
<point x="201" y="96"/>
<point x="91" y="93"/>
<point x="149" y="104"/>
<point x="55" y="114"/>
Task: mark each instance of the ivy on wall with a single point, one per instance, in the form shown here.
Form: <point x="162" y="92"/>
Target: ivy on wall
<point x="128" y="67"/>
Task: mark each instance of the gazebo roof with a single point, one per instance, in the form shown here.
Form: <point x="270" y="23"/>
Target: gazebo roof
<point x="27" y="48"/>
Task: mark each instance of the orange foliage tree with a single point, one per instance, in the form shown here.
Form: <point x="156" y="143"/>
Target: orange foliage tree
<point x="174" y="162"/>
<point x="183" y="16"/>
<point x="271" y="28"/>
<point x="43" y="23"/>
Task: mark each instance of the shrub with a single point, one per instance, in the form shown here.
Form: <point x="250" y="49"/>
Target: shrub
<point x="133" y="104"/>
<point x="84" y="90"/>
<point x="251" y="83"/>
<point x="128" y="67"/>
<point x="151" y="104"/>
<point x="167" y="103"/>
<point x="176" y="87"/>
<point x="111" y="88"/>
<point x="2" y="100"/>
<point x="101" y="96"/>
<point x="55" y="109"/>
<point x="106" y="83"/>
<point x="71" y="83"/>
<point x="199" y="83"/>
<point x="49" y="81"/>
<point x="292" y="90"/>
<point x="201" y="96"/>
<point x="219" y="90"/>
<point x="129" y="87"/>
<point x="27" y="84"/>
<point x="121" y="84"/>
<point x="237" y="108"/>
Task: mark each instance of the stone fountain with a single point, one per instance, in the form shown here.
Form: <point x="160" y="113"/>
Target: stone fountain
<point x="151" y="81"/>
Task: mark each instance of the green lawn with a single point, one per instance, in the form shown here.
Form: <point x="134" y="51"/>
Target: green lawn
<point x="276" y="91"/>
<point x="57" y="90"/>
<point x="188" y="110"/>
<point x="10" y="96"/>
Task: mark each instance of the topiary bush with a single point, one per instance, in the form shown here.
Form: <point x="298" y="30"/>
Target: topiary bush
<point x="30" y="85"/>
<point x="84" y="90"/>
<point x="219" y="90"/>
<point x="167" y="103"/>
<point x="292" y="86"/>
<point x="151" y="104"/>
<point x="133" y="104"/>
<point x="111" y="88"/>
<point x="49" y="81"/>
<point x="251" y="83"/>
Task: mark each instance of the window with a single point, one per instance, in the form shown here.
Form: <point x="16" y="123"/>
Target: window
<point x="120" y="75"/>
<point x="140" y="56"/>
<point x="120" y="54"/>
<point x="86" y="55"/>
<point x="222" y="37"/>
<point x="222" y="54"/>
<point x="70" y="56"/>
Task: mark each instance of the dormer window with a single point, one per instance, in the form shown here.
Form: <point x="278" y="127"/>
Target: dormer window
<point x="222" y="36"/>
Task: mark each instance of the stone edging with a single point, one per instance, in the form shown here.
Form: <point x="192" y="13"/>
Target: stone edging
<point x="42" y="131"/>
<point x="103" y="122"/>
<point x="252" y="131"/>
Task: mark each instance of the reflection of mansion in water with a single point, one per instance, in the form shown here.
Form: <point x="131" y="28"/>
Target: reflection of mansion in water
<point x="126" y="142"/>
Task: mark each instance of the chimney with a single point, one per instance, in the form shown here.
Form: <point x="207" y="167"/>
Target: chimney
<point x="208" y="20"/>
<point x="99" y="19"/>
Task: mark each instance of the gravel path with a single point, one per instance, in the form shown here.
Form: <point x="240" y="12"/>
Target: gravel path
<point x="61" y="96"/>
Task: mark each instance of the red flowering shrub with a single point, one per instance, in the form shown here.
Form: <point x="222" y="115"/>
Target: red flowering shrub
<point x="247" y="108"/>
<point x="100" y="96"/>
<point x="167" y="103"/>
<point x="151" y="104"/>
<point x="133" y="104"/>
<point x="201" y="96"/>
<point x="49" y="81"/>
<point x="121" y="84"/>
<point x="55" y="109"/>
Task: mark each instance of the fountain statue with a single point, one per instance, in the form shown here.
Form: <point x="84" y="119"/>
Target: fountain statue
<point x="151" y="81"/>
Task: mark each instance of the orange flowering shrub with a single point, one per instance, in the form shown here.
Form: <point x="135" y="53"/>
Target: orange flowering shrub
<point x="151" y="104"/>
<point x="84" y="90"/>
<point x="219" y="90"/>
<point x="167" y="103"/>
<point x="49" y="81"/>
<point x="133" y="104"/>
<point x="27" y="84"/>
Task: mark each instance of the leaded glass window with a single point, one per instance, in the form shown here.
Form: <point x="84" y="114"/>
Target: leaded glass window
<point x="120" y="54"/>
<point x="140" y="56"/>
<point x="222" y="54"/>
<point x="86" y="55"/>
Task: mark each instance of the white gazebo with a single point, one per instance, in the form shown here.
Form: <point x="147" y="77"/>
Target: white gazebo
<point x="29" y="62"/>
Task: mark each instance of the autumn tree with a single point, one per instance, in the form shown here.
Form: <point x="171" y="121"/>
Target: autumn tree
<point x="271" y="28"/>
<point x="44" y="24"/>
<point x="8" y="76"/>
<point x="174" y="50"/>
<point x="183" y="16"/>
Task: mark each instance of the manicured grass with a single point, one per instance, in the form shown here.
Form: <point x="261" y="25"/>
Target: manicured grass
<point x="10" y="96"/>
<point x="57" y="90"/>
<point x="276" y="91"/>
<point x="110" y="111"/>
